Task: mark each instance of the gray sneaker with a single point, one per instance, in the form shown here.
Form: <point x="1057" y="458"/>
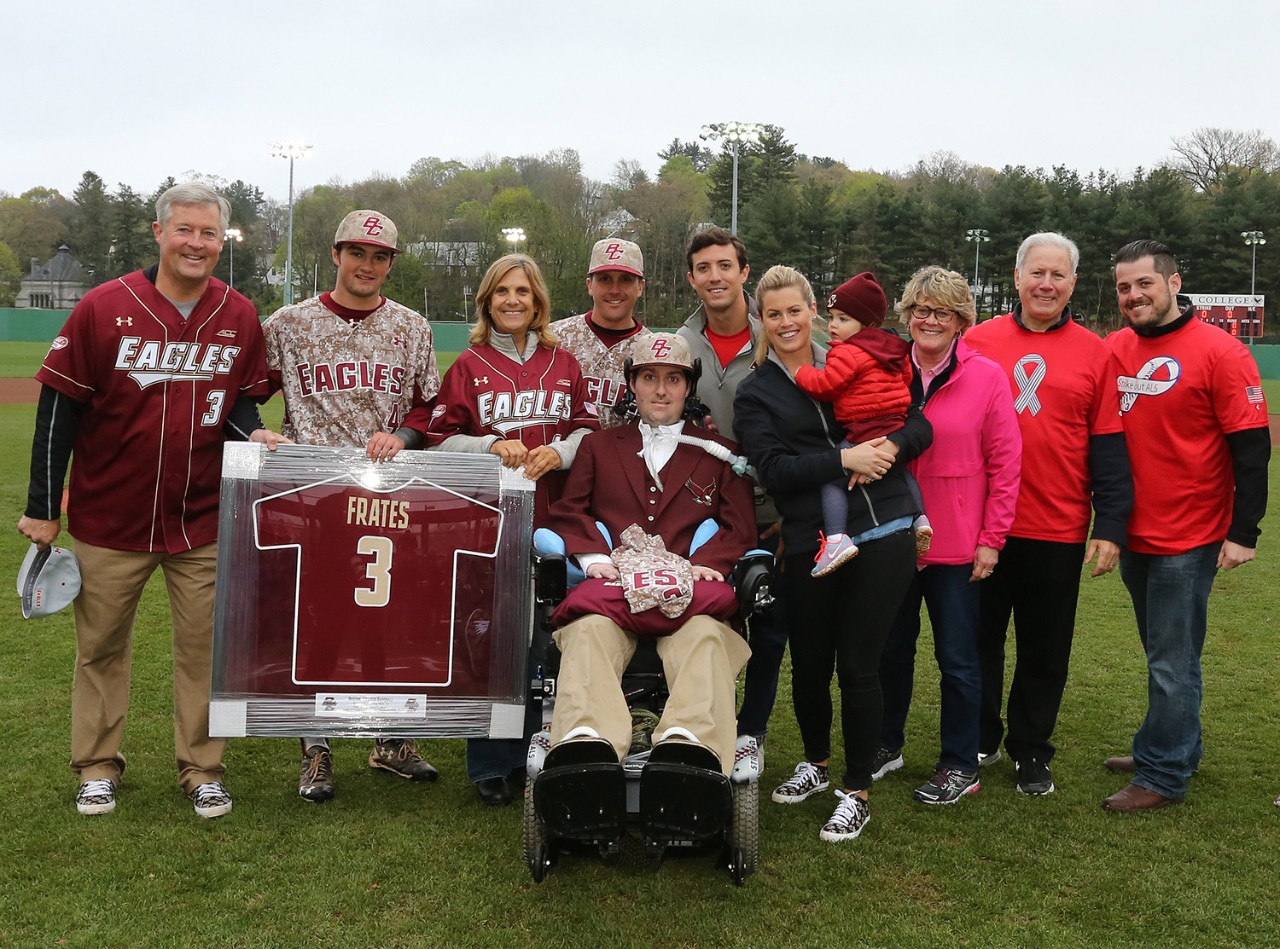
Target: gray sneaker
<point x="315" y="780"/>
<point x="211" y="799"/>
<point x="947" y="786"/>
<point x="96" y="797"/>
<point x="400" y="757"/>
<point x="807" y="780"/>
<point x="986" y="758"/>
<point x="885" y="761"/>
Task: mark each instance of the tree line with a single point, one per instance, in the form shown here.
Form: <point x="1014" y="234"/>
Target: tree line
<point x="811" y="211"/>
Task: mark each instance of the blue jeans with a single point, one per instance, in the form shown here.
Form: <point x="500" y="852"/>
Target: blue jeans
<point x="953" y="611"/>
<point x="500" y="757"/>
<point x="1171" y="602"/>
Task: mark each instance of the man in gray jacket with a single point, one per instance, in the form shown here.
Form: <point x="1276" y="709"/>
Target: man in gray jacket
<point x="723" y="332"/>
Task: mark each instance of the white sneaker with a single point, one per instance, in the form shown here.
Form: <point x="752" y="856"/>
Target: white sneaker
<point x="851" y="816"/>
<point x="96" y="797"/>
<point x="808" y="779"/>
<point x="211" y="799"/>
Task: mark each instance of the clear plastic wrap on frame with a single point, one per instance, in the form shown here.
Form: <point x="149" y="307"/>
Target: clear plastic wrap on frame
<point x="362" y="599"/>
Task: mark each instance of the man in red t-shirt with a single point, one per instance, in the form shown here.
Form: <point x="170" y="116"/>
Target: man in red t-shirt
<point x="1073" y="458"/>
<point x="1196" y="422"/>
<point x="150" y="375"/>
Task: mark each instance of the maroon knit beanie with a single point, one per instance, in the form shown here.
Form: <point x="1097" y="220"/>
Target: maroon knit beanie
<point x="861" y="298"/>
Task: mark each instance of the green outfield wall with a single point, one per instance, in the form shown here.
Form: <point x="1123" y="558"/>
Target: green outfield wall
<point x="41" y="326"/>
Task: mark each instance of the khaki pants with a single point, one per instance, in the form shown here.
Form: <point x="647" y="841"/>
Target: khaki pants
<point x="111" y="585"/>
<point x="701" y="661"/>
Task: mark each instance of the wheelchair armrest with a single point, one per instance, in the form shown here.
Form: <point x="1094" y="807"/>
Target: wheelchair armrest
<point x="550" y="577"/>
<point x="753" y="579"/>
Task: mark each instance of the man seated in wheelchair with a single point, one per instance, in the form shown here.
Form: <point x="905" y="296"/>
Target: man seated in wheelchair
<point x="650" y="484"/>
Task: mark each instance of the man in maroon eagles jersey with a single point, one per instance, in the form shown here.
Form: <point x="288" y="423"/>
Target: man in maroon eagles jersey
<point x="615" y="280"/>
<point x="150" y="375"/>
<point x="355" y="369"/>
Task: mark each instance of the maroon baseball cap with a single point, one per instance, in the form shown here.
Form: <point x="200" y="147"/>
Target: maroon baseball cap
<point x="367" y="227"/>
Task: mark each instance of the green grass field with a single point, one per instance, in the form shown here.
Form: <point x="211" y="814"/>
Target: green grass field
<point x="391" y="864"/>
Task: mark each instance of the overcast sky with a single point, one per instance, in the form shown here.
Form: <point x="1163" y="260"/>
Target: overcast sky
<point x="140" y="89"/>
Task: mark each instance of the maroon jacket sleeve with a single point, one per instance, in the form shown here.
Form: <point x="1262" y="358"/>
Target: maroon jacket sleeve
<point x="572" y="516"/>
<point x="736" y="514"/>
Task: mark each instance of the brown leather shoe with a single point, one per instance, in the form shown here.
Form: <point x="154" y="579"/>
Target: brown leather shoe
<point x="1121" y="764"/>
<point x="1135" y="798"/>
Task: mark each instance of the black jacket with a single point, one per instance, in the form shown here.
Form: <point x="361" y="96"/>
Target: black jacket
<point x="792" y="441"/>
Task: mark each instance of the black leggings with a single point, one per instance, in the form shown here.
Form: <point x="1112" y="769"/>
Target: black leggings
<point x="839" y="623"/>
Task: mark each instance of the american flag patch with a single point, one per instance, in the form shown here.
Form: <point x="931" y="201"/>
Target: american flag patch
<point x="1253" y="394"/>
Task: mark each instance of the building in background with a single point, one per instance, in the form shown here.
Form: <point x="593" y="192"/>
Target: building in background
<point x="57" y="284"/>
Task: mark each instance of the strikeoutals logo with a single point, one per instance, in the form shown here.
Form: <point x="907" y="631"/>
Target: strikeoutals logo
<point x="1156" y="377"/>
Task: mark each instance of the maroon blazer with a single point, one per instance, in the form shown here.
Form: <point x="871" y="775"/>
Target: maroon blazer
<point x="610" y="483"/>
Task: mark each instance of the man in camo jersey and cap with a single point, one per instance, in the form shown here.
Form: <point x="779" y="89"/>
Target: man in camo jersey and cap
<point x="597" y="338"/>
<point x="356" y="369"/>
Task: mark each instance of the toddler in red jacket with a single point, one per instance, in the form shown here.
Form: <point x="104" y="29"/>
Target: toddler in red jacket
<point x="868" y="378"/>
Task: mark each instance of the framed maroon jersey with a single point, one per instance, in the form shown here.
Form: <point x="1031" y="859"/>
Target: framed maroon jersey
<point x="363" y="599"/>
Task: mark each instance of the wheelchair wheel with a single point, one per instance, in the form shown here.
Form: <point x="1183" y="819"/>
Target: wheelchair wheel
<point x="744" y="836"/>
<point x="537" y="845"/>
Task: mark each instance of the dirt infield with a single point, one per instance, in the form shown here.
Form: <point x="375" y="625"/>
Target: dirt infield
<point x="28" y="390"/>
<point x="19" y="390"/>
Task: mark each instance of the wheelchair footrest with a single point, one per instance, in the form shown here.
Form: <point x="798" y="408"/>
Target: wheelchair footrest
<point x="683" y="794"/>
<point x="581" y="794"/>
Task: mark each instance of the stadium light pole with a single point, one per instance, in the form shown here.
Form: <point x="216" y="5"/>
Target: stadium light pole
<point x="979" y="236"/>
<point x="735" y="133"/>
<point x="231" y="238"/>
<point x="1253" y="239"/>
<point x="514" y="235"/>
<point x="292" y="151"/>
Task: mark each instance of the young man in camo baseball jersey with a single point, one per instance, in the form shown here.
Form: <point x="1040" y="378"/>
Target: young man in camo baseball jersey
<point x="355" y="369"/>
<point x="615" y="280"/>
<point x="150" y="375"/>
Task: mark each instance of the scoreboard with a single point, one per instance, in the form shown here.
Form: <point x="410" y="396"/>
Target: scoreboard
<point x="1240" y="314"/>
<point x="362" y="599"/>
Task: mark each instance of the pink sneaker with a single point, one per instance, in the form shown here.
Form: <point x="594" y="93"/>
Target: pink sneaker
<point x="835" y="551"/>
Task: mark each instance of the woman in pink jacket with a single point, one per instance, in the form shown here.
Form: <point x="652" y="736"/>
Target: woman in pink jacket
<point x="969" y="480"/>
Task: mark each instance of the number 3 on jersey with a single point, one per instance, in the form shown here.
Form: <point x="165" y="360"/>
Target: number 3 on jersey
<point x="378" y="570"/>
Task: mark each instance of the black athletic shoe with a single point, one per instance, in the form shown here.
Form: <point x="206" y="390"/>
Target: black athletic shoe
<point x="1034" y="777"/>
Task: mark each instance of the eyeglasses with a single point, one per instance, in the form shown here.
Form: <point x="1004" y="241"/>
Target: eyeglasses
<point x="941" y="314"/>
